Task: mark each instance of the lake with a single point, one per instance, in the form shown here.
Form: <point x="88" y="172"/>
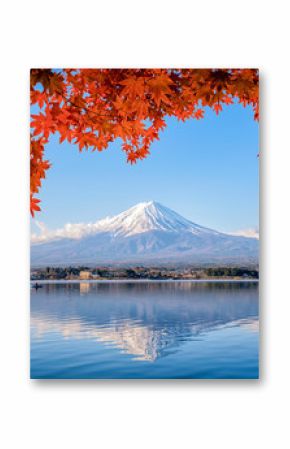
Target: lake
<point x="143" y="330"/>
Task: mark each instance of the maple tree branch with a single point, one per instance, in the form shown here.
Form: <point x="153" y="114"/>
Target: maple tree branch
<point x="82" y="107"/>
<point x="187" y="87"/>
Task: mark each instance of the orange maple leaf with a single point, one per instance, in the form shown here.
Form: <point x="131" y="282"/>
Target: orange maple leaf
<point x="159" y="88"/>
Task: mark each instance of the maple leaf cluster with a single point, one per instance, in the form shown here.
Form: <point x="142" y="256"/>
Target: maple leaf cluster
<point x="38" y="167"/>
<point x="93" y="107"/>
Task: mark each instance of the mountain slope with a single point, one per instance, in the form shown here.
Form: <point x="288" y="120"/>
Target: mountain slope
<point x="146" y="233"/>
<point x="145" y="217"/>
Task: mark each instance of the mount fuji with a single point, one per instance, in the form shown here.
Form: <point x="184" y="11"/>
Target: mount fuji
<point x="148" y="233"/>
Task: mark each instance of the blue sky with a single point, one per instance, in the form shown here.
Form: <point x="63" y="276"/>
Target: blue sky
<point x="206" y="170"/>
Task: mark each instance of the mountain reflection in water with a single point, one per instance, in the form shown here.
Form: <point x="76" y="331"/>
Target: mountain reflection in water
<point x="146" y="320"/>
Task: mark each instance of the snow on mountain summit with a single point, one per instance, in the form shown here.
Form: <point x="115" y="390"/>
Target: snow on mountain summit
<point x="144" y="217"/>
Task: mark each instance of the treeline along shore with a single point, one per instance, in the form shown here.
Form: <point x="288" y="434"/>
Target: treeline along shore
<point x="140" y="272"/>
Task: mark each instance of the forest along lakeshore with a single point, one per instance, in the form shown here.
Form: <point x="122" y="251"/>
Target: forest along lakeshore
<point x="138" y="273"/>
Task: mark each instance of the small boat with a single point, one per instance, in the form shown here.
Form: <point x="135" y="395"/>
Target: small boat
<point x="36" y="285"/>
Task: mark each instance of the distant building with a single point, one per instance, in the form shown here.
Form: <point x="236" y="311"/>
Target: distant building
<point x="84" y="275"/>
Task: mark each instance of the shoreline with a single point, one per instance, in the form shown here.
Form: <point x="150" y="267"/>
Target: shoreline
<point x="126" y="281"/>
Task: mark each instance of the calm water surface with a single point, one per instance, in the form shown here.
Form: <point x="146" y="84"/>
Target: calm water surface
<point x="143" y="330"/>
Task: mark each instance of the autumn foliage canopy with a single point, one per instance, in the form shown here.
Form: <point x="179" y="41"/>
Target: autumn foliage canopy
<point x="93" y="107"/>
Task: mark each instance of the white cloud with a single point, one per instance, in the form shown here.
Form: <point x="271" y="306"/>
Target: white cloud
<point x="72" y="231"/>
<point x="251" y="232"/>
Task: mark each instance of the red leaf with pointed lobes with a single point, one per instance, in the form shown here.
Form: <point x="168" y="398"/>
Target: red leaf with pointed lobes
<point x="199" y="114"/>
<point x="217" y="108"/>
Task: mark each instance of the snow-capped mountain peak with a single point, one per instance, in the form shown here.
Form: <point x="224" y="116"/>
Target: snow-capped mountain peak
<point x="144" y="217"/>
<point x="146" y="233"/>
